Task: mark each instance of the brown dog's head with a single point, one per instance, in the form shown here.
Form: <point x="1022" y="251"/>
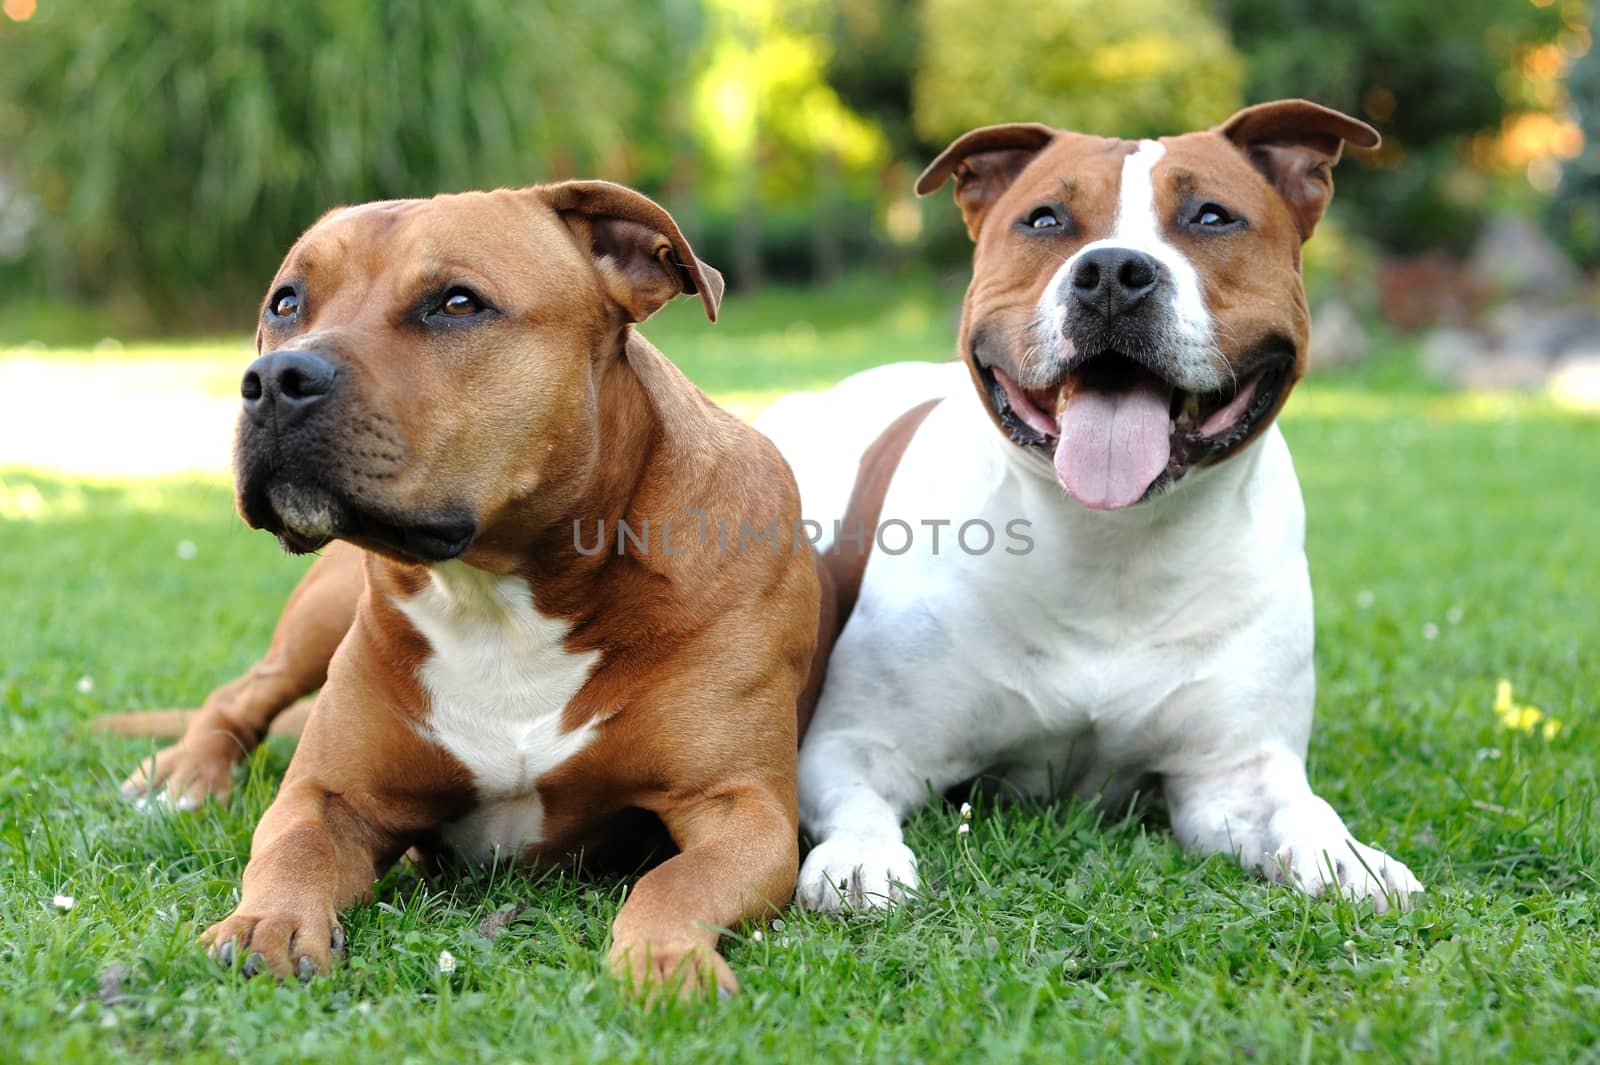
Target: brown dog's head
<point x="1136" y="308"/>
<point x="427" y="367"/>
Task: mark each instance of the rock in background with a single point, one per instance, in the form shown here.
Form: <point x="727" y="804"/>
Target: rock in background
<point x="1516" y="315"/>
<point x="1338" y="337"/>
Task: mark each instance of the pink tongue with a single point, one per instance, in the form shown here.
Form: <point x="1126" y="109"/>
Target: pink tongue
<point x="1114" y="444"/>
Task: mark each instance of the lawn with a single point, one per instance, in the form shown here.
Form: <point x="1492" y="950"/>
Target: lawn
<point x="1453" y="544"/>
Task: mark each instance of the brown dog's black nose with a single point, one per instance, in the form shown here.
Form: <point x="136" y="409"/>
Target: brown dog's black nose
<point x="1110" y="281"/>
<point x="285" y="386"/>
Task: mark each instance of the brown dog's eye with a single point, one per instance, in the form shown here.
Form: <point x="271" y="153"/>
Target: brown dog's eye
<point x="285" y="304"/>
<point x="459" y="303"/>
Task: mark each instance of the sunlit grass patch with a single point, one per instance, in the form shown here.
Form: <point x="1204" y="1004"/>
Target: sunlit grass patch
<point x="1321" y="398"/>
<point x="112" y="350"/>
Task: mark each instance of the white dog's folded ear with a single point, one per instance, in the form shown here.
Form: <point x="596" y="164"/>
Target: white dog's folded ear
<point x="1295" y="143"/>
<point x="639" y="249"/>
<point x="984" y="162"/>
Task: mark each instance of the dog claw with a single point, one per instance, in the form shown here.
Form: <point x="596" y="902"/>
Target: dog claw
<point x="305" y="969"/>
<point x="723" y="994"/>
<point x="337" y="942"/>
<point x="253" y="964"/>
<point x="225" y="954"/>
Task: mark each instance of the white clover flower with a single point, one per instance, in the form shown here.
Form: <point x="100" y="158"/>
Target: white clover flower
<point x="963" y="828"/>
<point x="63" y="902"/>
<point x="966" y="811"/>
<point x="756" y="936"/>
<point x="447" y="962"/>
<point x="1430" y="631"/>
<point x="85" y="684"/>
<point x="1365" y="599"/>
<point x="187" y="550"/>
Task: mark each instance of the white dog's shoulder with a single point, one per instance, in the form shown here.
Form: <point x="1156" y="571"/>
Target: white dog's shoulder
<point x="823" y="434"/>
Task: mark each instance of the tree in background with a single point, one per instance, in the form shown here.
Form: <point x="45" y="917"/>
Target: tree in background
<point x="786" y="160"/>
<point x="1575" y="213"/>
<point x="1132" y="68"/>
<point x="179" y="147"/>
<point x="1430" y="77"/>
<point x="873" y="53"/>
<point x="150" y="149"/>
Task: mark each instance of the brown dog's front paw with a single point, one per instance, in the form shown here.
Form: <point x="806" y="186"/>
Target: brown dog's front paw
<point x="286" y="945"/>
<point x="186" y="774"/>
<point x="689" y="970"/>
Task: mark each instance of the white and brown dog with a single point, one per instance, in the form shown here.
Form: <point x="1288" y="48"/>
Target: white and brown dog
<point x="1120" y="592"/>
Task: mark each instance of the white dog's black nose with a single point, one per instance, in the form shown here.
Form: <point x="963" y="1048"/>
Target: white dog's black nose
<point x="284" y="386"/>
<point x="1111" y="281"/>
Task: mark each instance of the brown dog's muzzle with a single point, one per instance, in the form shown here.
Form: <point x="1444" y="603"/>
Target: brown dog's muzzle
<point x="282" y="387"/>
<point x="313" y="463"/>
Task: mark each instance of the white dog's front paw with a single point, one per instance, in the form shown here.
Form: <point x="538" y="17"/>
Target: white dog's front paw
<point x="1354" y="870"/>
<point x="849" y="873"/>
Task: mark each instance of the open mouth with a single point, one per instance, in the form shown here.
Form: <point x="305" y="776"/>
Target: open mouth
<point x="1118" y="433"/>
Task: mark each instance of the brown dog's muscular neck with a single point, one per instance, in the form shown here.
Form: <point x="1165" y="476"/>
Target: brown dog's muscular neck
<point x="655" y="438"/>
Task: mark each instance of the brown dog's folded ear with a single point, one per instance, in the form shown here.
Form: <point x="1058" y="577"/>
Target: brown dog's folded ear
<point x="639" y="249"/>
<point x="1294" y="143"/>
<point x="984" y="162"/>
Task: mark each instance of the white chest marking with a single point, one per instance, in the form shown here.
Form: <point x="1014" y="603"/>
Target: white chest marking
<point x="498" y="681"/>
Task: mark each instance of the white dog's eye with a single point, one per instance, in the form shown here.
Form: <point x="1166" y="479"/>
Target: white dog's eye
<point x="1211" y="215"/>
<point x="1043" y="218"/>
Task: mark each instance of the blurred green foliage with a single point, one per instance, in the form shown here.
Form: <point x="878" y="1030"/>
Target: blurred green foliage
<point x="151" y="149"/>
<point x="1135" y="68"/>
<point x="1575" y="213"/>
<point x="784" y="162"/>
<point x="1427" y="75"/>
<point x="175" y="146"/>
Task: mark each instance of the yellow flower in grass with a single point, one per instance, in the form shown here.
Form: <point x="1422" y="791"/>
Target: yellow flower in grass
<point x="1514" y="715"/>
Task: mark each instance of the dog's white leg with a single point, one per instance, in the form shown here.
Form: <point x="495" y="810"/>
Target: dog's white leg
<point x="1262" y="811"/>
<point x="854" y="791"/>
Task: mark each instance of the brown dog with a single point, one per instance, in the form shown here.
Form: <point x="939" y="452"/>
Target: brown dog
<point x="454" y="388"/>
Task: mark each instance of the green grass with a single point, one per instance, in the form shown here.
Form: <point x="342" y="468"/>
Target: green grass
<point x="783" y="339"/>
<point x="1051" y="933"/>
